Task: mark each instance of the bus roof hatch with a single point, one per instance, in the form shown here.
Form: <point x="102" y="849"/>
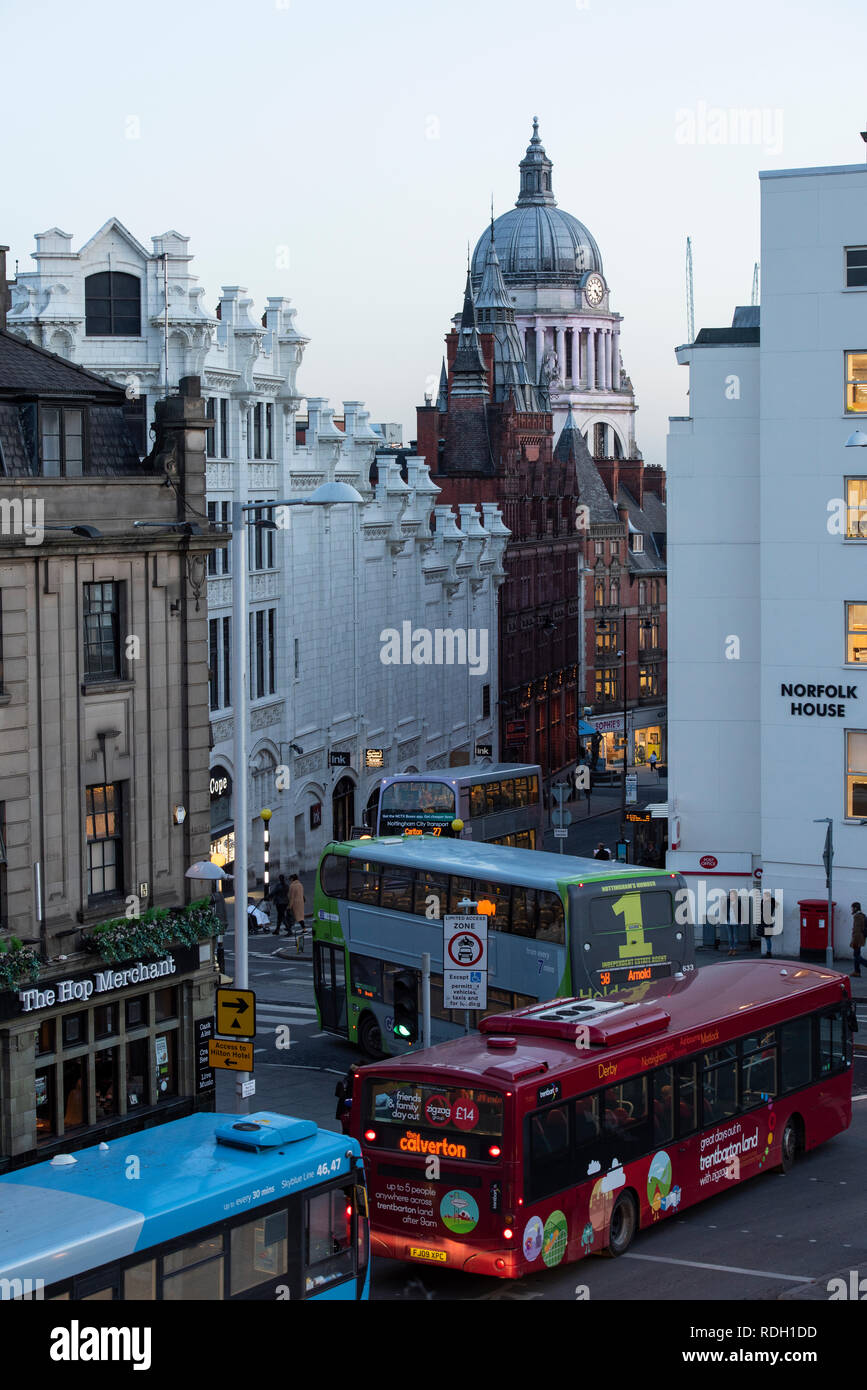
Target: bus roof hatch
<point x="264" y="1130"/>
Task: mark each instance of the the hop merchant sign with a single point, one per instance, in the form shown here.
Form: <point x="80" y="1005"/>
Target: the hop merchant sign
<point x="465" y="961"/>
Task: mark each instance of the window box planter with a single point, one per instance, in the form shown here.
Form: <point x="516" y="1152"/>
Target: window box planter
<point x="153" y="933"/>
<point x="19" y="964"/>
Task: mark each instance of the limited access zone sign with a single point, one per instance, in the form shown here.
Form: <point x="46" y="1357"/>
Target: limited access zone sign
<point x="465" y="961"/>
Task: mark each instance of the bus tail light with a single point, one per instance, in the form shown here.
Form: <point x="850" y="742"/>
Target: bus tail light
<point x="494" y="1151"/>
<point x="508" y="1233"/>
<point x="370" y="1135"/>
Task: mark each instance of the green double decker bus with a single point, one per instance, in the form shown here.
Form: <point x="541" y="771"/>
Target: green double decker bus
<point x="557" y="926"/>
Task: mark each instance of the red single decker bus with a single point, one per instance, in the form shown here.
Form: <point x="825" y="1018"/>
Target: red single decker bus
<point x="559" y="1130"/>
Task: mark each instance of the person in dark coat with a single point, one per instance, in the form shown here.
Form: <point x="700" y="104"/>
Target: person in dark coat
<point x="280" y="899"/>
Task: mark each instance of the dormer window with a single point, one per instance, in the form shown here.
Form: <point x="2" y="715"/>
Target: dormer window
<point x="112" y="305"/>
<point x="636" y="542"/>
<point x="61" y="442"/>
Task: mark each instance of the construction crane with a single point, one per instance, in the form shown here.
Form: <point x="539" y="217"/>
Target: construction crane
<point x="754" y="297"/>
<point x="690" y="303"/>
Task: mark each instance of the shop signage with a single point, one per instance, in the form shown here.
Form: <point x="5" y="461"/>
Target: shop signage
<point x="80" y="988"/>
<point x="101" y="982"/>
<point x="205" y="1078"/>
<point x="484" y="750"/>
<point x="708" y="861"/>
<point x="338" y="759"/>
<point x="516" y="728"/>
<point x="220" y="783"/>
<point x="316" y="815"/>
<point x="614" y="725"/>
<point x="374" y="757"/>
<point x="821" y="700"/>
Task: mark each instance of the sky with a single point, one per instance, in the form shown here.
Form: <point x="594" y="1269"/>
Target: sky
<point x="342" y="153"/>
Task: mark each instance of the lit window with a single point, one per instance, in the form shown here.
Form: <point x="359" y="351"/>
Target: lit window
<point x="856" y="508"/>
<point x="856" y="774"/>
<point x="856" y="632"/>
<point x="856" y="381"/>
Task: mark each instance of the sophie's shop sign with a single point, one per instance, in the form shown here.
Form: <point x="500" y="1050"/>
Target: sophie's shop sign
<point x="822" y="700"/>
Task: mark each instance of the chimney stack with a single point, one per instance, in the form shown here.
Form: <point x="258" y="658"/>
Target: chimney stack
<point x="5" y="296"/>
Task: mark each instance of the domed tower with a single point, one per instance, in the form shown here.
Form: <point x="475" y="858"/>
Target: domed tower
<point x="552" y="269"/>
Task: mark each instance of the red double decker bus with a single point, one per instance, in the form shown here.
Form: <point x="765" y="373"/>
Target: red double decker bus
<point x="559" y="1130"/>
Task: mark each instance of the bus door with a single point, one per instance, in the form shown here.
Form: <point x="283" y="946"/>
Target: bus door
<point x="329" y="973"/>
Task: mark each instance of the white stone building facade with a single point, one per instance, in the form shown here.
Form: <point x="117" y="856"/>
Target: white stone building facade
<point x="767" y="582"/>
<point x="323" y="587"/>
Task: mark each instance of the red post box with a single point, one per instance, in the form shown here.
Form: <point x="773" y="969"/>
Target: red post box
<point x="814" y="927"/>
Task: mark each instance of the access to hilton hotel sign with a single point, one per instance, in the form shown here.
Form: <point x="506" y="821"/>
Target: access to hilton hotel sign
<point x="824" y="700"/>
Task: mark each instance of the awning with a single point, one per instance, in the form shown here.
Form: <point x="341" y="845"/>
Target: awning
<point x="585" y="728"/>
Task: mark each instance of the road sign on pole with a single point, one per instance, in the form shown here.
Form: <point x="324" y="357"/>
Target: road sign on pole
<point x="236" y="1013"/>
<point x="230" y="1055"/>
<point x="465" y="961"/>
<point x="631" y="787"/>
<point x="560" y="834"/>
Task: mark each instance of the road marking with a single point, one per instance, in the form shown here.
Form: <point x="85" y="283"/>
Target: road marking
<point x="724" y="1269"/>
<point x="319" y="1035"/>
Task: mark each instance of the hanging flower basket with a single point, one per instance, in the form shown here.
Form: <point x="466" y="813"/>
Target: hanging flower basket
<point x="154" y="933"/>
<point x="19" y="964"/>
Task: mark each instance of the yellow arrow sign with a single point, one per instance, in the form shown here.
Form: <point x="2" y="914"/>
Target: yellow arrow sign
<point x="230" y="1055"/>
<point x="236" y="1013"/>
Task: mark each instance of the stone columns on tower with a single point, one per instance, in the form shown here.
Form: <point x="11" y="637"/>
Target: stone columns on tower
<point x="591" y="359"/>
<point x="616" y="360"/>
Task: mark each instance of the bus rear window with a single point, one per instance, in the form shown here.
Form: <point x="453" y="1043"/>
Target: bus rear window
<point x="645" y="910"/>
<point x="447" y="1108"/>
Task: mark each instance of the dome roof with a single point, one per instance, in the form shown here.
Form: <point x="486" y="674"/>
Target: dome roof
<point x="536" y="241"/>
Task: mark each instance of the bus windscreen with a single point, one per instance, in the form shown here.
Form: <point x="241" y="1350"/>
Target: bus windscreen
<point x="449" y="1108"/>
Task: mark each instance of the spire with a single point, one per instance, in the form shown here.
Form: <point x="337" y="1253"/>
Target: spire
<point x="497" y="316"/>
<point x="536" y="173"/>
<point x="571" y="447"/>
<point x="469" y="375"/>
<point x="443" y="397"/>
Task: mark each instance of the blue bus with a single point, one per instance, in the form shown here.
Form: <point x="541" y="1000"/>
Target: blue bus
<point x="213" y="1207"/>
<point x="558" y="926"/>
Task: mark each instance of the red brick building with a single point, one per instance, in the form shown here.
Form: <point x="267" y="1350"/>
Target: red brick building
<point x="490" y="437"/>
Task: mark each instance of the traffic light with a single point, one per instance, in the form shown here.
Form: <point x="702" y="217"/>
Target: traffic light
<point x="405" y="1024"/>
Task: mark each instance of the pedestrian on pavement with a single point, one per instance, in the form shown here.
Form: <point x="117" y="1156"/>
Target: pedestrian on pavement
<point x="859" y="928"/>
<point x="296" y="905"/>
<point x="602" y="852"/>
<point x="280" y="899"/>
<point x="653" y="761"/>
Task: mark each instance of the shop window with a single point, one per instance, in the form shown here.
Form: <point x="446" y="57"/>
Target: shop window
<point x="75" y="1029"/>
<point x="165" y="1060"/>
<point x="329" y="1239"/>
<point x="856" y="774"/>
<point x="856" y="382"/>
<point x="46" y="1124"/>
<point x="136" y="1073"/>
<point x="137" y="1011"/>
<point x="856" y="633"/>
<point x="140" y="1282"/>
<point x="105" y="1083"/>
<point x="260" y="1251"/>
<point x="74" y="1093"/>
<point x="46" y="1036"/>
<point x="165" y="1004"/>
<point x="105" y="1020"/>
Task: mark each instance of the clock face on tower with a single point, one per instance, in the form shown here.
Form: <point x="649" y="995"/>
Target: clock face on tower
<point x="595" y="290"/>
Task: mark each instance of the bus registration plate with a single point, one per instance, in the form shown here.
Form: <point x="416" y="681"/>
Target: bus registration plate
<point x="416" y="1252"/>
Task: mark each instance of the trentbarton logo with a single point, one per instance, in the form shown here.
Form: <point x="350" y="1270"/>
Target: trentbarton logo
<point x="77" y="1343"/>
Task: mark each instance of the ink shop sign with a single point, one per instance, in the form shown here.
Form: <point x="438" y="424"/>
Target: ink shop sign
<point x="823" y="700"/>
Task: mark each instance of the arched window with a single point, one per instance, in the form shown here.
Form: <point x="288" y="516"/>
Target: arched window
<point x="599" y="596"/>
<point x="615" y="592"/>
<point x="112" y="305"/>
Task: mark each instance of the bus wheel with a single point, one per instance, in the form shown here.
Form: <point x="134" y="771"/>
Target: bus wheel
<point x="624" y="1223"/>
<point x="370" y="1037"/>
<point x="789" y="1145"/>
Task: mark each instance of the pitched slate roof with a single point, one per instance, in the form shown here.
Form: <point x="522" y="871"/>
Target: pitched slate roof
<point x="26" y="370"/>
<point x="650" y="523"/>
<point x="571" y="448"/>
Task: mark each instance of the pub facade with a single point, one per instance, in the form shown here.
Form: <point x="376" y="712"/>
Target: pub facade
<point x="107" y="948"/>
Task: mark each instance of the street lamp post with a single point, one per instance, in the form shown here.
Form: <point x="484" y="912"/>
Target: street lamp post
<point x="326" y="495"/>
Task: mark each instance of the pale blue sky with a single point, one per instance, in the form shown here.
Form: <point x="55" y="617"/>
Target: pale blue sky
<point x="307" y="124"/>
